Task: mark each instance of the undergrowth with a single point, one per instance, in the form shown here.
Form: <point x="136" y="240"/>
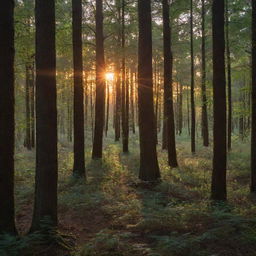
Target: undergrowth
<point x="112" y="215"/>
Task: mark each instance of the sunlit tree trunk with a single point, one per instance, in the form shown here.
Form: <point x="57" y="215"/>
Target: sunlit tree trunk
<point x="107" y="109"/>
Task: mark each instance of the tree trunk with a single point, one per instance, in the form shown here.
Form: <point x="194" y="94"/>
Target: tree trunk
<point x="118" y="104"/>
<point x="32" y="85"/>
<point x="229" y="78"/>
<point x="132" y="103"/>
<point x="192" y="95"/>
<point x="45" y="204"/>
<point x="253" y="102"/>
<point x="149" y="169"/>
<point x="180" y="109"/>
<point x="107" y="109"/>
<point x="218" y="188"/>
<point x="79" y="161"/>
<point x="125" y="129"/>
<point x="205" y="130"/>
<point x="100" y="84"/>
<point x="27" y="141"/>
<point x="7" y="223"/>
<point x="168" y="94"/>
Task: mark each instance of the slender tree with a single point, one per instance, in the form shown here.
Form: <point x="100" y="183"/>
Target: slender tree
<point x="218" y="188"/>
<point x="149" y="169"/>
<point x="7" y="223"/>
<point x="205" y="130"/>
<point x="253" y="101"/>
<point x="79" y="161"/>
<point x="125" y="122"/>
<point x="27" y="141"/>
<point x="168" y="94"/>
<point x="100" y="84"/>
<point x="45" y="204"/>
<point x="229" y="81"/>
<point x="192" y="88"/>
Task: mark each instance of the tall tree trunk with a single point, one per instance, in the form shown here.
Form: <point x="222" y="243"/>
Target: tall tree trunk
<point x="168" y="94"/>
<point x="132" y="103"/>
<point x="79" y="161"/>
<point x="100" y="84"/>
<point x="192" y="95"/>
<point x="127" y="105"/>
<point x="32" y="85"/>
<point x="27" y="141"/>
<point x="218" y="188"/>
<point x="107" y="109"/>
<point x="149" y="169"/>
<point x="180" y="109"/>
<point x="118" y="104"/>
<point x="229" y="78"/>
<point x="125" y="128"/>
<point x="45" y="204"/>
<point x="7" y="223"/>
<point x="253" y="101"/>
<point x="205" y="130"/>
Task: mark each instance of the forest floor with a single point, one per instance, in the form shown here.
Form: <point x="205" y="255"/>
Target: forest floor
<point x="113" y="214"/>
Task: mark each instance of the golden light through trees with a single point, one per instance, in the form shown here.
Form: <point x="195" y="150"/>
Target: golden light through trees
<point x="109" y="76"/>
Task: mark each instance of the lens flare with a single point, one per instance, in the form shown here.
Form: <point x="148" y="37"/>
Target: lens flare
<point x="109" y="76"/>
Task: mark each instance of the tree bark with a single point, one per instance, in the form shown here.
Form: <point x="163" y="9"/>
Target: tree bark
<point x="253" y="102"/>
<point x="45" y="204"/>
<point x="79" y="161"/>
<point x="100" y="84"/>
<point x="205" y="130"/>
<point x="218" y="188"/>
<point x="168" y="92"/>
<point x="7" y="223"/>
<point x="149" y="169"/>
<point x="192" y="95"/>
<point x="229" y="78"/>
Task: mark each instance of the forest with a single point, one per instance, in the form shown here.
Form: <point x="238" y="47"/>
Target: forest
<point x="128" y="128"/>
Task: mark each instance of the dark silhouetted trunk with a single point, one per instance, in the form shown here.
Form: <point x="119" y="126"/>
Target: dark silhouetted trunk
<point x="79" y="161"/>
<point x="228" y="78"/>
<point x="149" y="169"/>
<point x="100" y="84"/>
<point x="168" y="94"/>
<point x="118" y="104"/>
<point x="205" y="130"/>
<point x="253" y="101"/>
<point x="218" y="188"/>
<point x="132" y="103"/>
<point x="192" y="95"/>
<point x="7" y="223"/>
<point x="45" y="204"/>
<point x="125" y="124"/>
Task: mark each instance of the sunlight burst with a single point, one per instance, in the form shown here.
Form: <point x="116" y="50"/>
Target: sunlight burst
<point x="109" y="76"/>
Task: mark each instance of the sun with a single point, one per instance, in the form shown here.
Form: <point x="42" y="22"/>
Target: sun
<point x="109" y="76"/>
